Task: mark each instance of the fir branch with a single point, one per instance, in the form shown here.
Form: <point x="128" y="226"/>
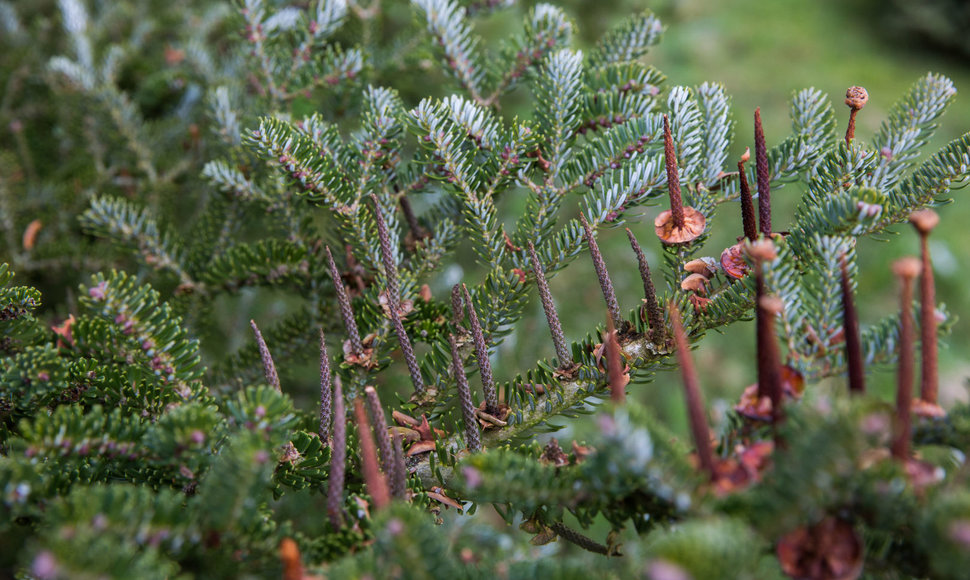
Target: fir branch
<point x="718" y="129"/>
<point x="628" y="41"/>
<point x="910" y="126"/>
<point x="546" y="29"/>
<point x="446" y="21"/>
<point x="557" y="106"/>
<point x="131" y="227"/>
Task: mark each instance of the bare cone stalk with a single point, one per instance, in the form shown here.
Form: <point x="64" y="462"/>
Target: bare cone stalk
<point x="680" y="224"/>
<point x="398" y="474"/>
<point x="769" y="359"/>
<point x="269" y="367"/>
<point x="481" y="353"/>
<point x="695" y="403"/>
<point x="673" y="177"/>
<point x="394" y="299"/>
<point x="373" y="478"/>
<point x="472" y="428"/>
<point x="906" y="270"/>
<point x="380" y="426"/>
<point x="387" y="254"/>
<point x="602" y="274"/>
<point x="614" y="363"/>
<point x="407" y="350"/>
<point x="924" y="221"/>
<point x="343" y="302"/>
<point x="769" y="356"/>
<point x="558" y="338"/>
<point x="747" y="202"/>
<point x="457" y="305"/>
<point x="326" y="391"/>
<point x="338" y="458"/>
<point x="290" y="559"/>
<point x="764" y="175"/>
<point x="416" y="231"/>
<point x="855" y="99"/>
<point x="655" y="317"/>
<point x="853" y="343"/>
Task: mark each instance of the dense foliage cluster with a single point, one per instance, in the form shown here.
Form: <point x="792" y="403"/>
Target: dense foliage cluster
<point x="330" y="170"/>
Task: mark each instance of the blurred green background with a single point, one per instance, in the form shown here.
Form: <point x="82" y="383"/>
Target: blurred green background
<point x="762" y="52"/>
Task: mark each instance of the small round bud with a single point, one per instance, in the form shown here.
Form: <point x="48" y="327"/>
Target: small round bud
<point x="856" y="97"/>
<point x="924" y="220"/>
<point x="907" y="267"/>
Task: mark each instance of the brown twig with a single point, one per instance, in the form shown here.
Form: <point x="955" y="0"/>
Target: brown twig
<point x="906" y="269"/>
<point x="747" y="201"/>
<point x="680" y="224"/>
<point x="338" y="458"/>
<point x="416" y="230"/>
<point x="574" y="537"/>
<point x="850" y="328"/>
<point x="855" y="98"/>
<point x="614" y="363"/>
<point x="695" y="403"/>
<point x="373" y="478"/>
<point x="924" y="221"/>
<point x="763" y="172"/>
<point x="769" y="359"/>
<point x="673" y="177"/>
<point x="398" y="474"/>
